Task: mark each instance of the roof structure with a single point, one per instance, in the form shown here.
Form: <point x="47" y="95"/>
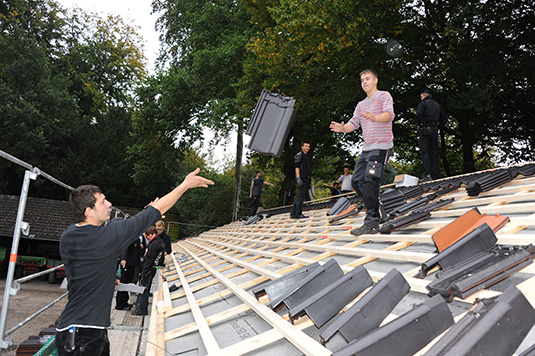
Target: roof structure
<point x="47" y="217"/>
<point x="205" y="299"/>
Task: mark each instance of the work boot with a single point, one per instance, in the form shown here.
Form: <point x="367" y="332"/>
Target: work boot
<point x="426" y="178"/>
<point x="364" y="229"/>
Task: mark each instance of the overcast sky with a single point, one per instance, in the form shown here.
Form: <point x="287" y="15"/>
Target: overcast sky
<point x="137" y="12"/>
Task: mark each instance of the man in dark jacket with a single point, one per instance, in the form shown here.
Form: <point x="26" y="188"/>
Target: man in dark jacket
<point x="303" y="177"/>
<point x="129" y="261"/>
<point x="153" y="259"/>
<point x="160" y="229"/>
<point x="429" y="119"/>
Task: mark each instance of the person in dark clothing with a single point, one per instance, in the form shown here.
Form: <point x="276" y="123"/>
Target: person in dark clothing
<point x="429" y="119"/>
<point x="303" y="177"/>
<point x="153" y="259"/>
<point x="160" y="229"/>
<point x="129" y="261"/>
<point x="335" y="190"/>
<point x="89" y="250"/>
<point x="256" y="192"/>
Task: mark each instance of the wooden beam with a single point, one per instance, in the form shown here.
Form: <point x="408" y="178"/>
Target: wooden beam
<point x="206" y="334"/>
<point x="299" y="339"/>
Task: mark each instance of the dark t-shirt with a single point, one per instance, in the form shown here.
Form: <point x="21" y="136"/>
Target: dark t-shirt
<point x="302" y="161"/>
<point x="90" y="256"/>
<point x="257" y="186"/>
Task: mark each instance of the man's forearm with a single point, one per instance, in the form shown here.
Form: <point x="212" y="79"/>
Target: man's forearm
<point x="384" y="117"/>
<point x="167" y="201"/>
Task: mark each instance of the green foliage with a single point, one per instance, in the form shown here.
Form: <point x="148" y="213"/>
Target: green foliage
<point x="478" y="59"/>
<point x="66" y="84"/>
<point x="204" y="207"/>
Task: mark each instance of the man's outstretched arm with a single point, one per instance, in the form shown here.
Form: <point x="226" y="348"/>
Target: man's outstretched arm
<point x="192" y="180"/>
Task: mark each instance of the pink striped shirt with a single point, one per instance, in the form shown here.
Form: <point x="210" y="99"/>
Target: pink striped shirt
<point x="377" y="135"/>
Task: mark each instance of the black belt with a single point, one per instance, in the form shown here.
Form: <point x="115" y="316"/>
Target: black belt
<point x="429" y="123"/>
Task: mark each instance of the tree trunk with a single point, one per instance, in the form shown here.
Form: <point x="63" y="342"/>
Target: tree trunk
<point x="467" y="141"/>
<point x="287" y="189"/>
<point x="238" y="169"/>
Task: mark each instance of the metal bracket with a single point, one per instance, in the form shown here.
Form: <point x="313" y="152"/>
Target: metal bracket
<point x="15" y="287"/>
<point x="4" y="344"/>
<point x="25" y="228"/>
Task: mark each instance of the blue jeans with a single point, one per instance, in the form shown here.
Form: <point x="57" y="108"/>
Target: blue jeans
<point x="87" y="342"/>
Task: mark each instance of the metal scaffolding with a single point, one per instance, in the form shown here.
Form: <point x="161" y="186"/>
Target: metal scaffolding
<point x="13" y="286"/>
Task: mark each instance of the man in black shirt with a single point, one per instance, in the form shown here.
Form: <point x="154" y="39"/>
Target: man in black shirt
<point x="153" y="259"/>
<point x="256" y="192"/>
<point x="129" y="261"/>
<point x="160" y="229"/>
<point x="303" y="177"/>
<point x="89" y="250"/>
<point x="429" y="119"/>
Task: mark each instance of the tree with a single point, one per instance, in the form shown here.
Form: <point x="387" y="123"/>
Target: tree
<point x="67" y="81"/>
<point x="314" y="52"/>
<point x="478" y="59"/>
<point x="35" y="106"/>
<point x="207" y="40"/>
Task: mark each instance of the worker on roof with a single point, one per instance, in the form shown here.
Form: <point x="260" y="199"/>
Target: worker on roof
<point x="89" y="249"/>
<point x="256" y="191"/>
<point x="303" y="178"/>
<point x="429" y="119"/>
<point x="374" y="114"/>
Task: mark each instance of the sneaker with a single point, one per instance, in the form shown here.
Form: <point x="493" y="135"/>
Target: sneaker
<point x="302" y="217"/>
<point x="364" y="229"/>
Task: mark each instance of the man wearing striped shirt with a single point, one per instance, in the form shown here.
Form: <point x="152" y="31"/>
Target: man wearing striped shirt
<point x="375" y="115"/>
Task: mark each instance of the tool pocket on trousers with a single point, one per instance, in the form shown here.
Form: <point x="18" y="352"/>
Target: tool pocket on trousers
<point x="373" y="170"/>
<point x="426" y="130"/>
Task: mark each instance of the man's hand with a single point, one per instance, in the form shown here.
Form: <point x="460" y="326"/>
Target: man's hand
<point x="299" y="181"/>
<point x="368" y="115"/>
<point x="192" y="180"/>
<point x="337" y="127"/>
<point x="123" y="263"/>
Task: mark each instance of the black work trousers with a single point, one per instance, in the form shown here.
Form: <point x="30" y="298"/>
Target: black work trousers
<point x="142" y="302"/>
<point x="87" y="342"/>
<point x="428" y="142"/>
<point x="366" y="181"/>
<point x="255" y="203"/>
<point x="297" y="207"/>
<point x="127" y="276"/>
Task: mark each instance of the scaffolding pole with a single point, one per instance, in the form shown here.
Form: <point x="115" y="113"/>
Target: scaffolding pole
<point x="11" y="289"/>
